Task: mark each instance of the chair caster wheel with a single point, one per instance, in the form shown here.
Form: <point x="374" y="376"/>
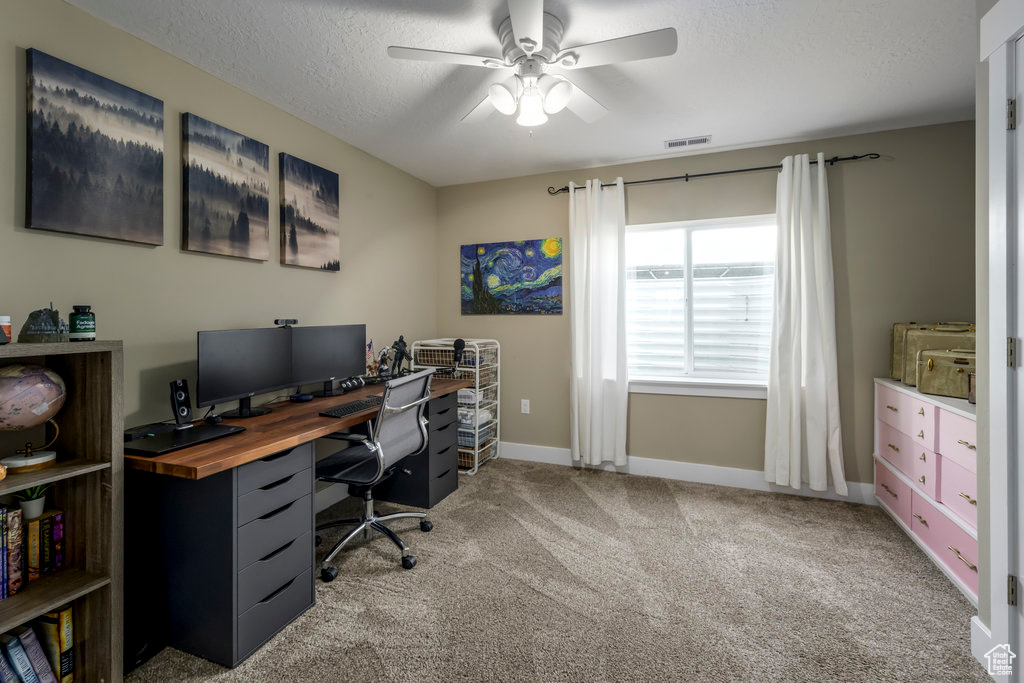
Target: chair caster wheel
<point x="408" y="562"/>
<point x="426" y="525"/>
<point x="328" y="574"/>
<point x="317" y="540"/>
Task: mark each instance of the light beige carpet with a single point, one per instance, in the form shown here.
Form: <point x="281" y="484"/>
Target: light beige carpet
<point x="545" y="573"/>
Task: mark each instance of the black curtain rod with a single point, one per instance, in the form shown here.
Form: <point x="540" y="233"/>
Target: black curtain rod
<point x="687" y="177"/>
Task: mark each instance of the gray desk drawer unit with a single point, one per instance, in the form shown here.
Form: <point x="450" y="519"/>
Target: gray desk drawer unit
<point x="239" y="554"/>
<point x="425" y="479"/>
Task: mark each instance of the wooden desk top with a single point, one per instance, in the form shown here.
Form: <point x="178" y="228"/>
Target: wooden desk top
<point x="287" y="426"/>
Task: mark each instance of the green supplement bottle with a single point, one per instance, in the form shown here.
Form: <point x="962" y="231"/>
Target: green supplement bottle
<point x="83" y="324"/>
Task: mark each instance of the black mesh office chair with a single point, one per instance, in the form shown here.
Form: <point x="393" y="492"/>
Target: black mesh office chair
<point x="398" y="431"/>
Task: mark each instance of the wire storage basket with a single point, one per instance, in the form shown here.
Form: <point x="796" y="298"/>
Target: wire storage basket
<point x="479" y="423"/>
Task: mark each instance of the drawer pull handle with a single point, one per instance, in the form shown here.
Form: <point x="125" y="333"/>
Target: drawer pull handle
<point x="921" y="411"/>
<point x="969" y="445"/>
<point x="277" y="456"/>
<point x="921" y="519"/>
<point x="895" y="448"/>
<point x="890" y="491"/>
<point x="274" y="513"/>
<point x="920" y="434"/>
<point x="923" y="458"/>
<point x="893" y="408"/>
<point x="277" y="592"/>
<point x="972" y="567"/>
<point x="443" y="474"/>
<point x="921" y="479"/>
<point x="280" y="482"/>
<point x="278" y="551"/>
<point x="972" y="501"/>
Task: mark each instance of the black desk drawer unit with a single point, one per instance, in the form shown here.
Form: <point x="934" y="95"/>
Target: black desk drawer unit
<point x="233" y="553"/>
<point x="424" y="480"/>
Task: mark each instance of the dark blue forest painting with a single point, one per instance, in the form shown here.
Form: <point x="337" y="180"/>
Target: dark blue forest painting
<point x="96" y="154"/>
<point x="226" y="182"/>
<point x="522" y="277"/>
<point x="310" y="230"/>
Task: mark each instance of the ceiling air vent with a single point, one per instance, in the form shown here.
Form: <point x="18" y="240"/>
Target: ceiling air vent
<point x="687" y="142"/>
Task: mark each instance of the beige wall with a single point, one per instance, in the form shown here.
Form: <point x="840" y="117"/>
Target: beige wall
<point x="903" y="246"/>
<point x="155" y="299"/>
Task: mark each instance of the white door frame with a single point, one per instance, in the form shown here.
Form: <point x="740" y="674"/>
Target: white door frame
<point x="999" y="30"/>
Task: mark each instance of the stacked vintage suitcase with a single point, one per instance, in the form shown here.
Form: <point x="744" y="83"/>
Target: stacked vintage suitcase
<point x="937" y="358"/>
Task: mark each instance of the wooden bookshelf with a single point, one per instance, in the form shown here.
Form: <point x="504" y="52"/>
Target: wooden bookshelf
<point x="88" y="481"/>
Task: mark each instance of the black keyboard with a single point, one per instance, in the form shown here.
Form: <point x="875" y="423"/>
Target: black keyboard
<point x="346" y="409"/>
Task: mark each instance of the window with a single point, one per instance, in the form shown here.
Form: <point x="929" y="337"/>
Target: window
<point x="699" y="304"/>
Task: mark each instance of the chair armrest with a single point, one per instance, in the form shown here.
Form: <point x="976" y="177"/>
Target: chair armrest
<point x="354" y="438"/>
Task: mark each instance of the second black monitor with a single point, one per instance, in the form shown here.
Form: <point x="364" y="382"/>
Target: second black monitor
<point x="326" y="353"/>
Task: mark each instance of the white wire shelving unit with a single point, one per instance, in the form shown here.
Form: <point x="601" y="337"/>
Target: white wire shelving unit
<point x="479" y="421"/>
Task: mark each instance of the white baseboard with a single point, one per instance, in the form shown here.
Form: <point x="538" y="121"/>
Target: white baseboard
<point x="734" y="477"/>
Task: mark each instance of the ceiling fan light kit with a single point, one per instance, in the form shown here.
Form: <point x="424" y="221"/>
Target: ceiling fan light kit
<point x="531" y="44"/>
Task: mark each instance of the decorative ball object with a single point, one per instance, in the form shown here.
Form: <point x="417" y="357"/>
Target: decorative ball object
<point x="29" y="396"/>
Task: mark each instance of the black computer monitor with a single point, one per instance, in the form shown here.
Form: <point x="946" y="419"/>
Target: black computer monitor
<point x="238" y="364"/>
<point x="326" y="353"/>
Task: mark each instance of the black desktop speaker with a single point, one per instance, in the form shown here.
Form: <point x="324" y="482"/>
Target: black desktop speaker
<point x="181" y="402"/>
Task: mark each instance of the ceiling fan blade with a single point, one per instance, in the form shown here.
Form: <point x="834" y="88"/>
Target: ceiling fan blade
<point x="583" y="105"/>
<point x="661" y="43"/>
<point x="527" y="23"/>
<point x="417" y="54"/>
<point x="480" y="112"/>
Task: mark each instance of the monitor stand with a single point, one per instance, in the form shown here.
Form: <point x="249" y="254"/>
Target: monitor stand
<point x="245" y="409"/>
<point x="328" y="390"/>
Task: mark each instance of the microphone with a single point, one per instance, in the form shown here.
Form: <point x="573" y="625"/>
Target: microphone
<point x="460" y="346"/>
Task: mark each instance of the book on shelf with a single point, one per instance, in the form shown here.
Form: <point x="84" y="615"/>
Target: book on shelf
<point x="4" y="521"/>
<point x="33" y="555"/>
<point x="56" y="631"/>
<point x="7" y="674"/>
<point x="40" y="665"/>
<point x="18" y="658"/>
<point x="43" y="544"/>
<point x="15" y="556"/>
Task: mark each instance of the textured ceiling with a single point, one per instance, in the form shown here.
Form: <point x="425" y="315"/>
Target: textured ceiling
<point x="747" y="72"/>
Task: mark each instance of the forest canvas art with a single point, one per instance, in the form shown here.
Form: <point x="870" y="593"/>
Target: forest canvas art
<point x="512" y="277"/>
<point x="309" y="215"/>
<point x="226" y="182"/>
<point x="96" y="154"/>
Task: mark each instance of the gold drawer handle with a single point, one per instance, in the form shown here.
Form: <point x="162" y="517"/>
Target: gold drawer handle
<point x="920" y="434"/>
<point x="893" y="408"/>
<point x="890" y="491"/>
<point x="972" y="501"/>
<point x="972" y="567"/>
<point x="921" y="519"/>
<point x="969" y="445"/>
<point x="923" y="458"/>
<point x="921" y="479"/>
<point x="921" y="411"/>
<point x="894" y="448"/>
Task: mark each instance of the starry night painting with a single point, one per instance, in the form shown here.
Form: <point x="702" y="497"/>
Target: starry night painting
<point x="522" y="277"/>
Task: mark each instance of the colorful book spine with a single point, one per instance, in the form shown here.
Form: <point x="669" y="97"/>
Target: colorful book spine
<point x="18" y="658"/>
<point x="46" y="543"/>
<point x="3" y="554"/>
<point x="56" y="631"/>
<point x="7" y="674"/>
<point x="35" y="653"/>
<point x="14" y="553"/>
<point x="58" y="540"/>
<point x="33" y="556"/>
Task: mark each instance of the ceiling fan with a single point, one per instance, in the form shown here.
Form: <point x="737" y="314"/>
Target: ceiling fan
<point x="530" y="45"/>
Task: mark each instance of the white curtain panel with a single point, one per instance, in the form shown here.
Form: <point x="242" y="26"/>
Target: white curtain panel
<point x="599" y="381"/>
<point x="803" y="438"/>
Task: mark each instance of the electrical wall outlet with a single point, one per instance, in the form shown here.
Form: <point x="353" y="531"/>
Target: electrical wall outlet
<point x="525" y="407"/>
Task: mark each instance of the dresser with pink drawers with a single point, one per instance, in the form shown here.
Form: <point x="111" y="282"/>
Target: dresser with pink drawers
<point x="926" y="475"/>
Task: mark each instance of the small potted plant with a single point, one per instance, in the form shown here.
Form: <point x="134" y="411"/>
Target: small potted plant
<point x="32" y="501"/>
